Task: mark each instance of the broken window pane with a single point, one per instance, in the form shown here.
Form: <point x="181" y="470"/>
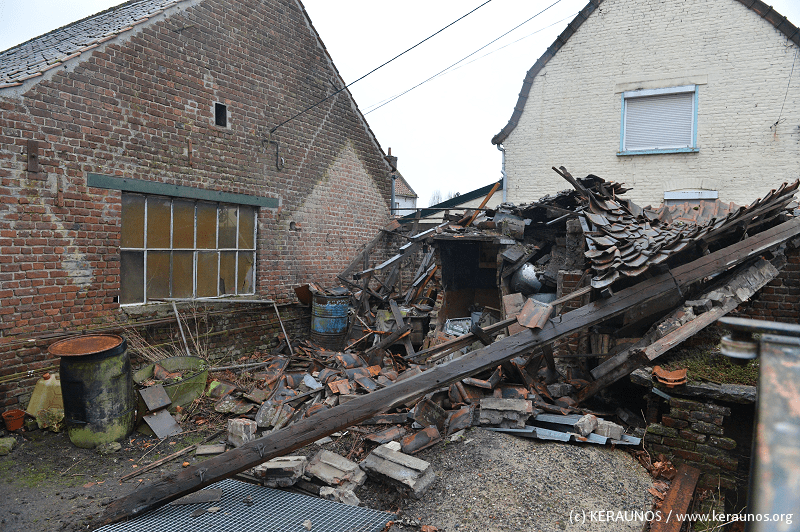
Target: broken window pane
<point x="227" y="272"/>
<point x="245" y="283"/>
<point x="131" y="278"/>
<point x="246" y="225"/>
<point x="182" y="224"/>
<point x="132" y="233"/>
<point x="182" y="268"/>
<point x="206" y="274"/>
<point x="227" y="227"/>
<point x="158" y="216"/>
<point x="158" y="274"/>
<point x="206" y="226"/>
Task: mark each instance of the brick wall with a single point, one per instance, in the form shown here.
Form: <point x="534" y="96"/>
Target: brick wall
<point x="225" y="333"/>
<point x="778" y="301"/>
<point x="697" y="433"/>
<point x="141" y="106"/>
<point x="740" y="62"/>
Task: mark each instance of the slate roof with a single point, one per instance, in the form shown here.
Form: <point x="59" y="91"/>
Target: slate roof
<point x="763" y="10"/>
<point x="32" y="58"/>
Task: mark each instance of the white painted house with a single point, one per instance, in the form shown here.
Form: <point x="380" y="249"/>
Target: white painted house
<point x="680" y="99"/>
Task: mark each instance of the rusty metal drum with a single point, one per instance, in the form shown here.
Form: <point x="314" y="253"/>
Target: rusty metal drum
<point x="97" y="388"/>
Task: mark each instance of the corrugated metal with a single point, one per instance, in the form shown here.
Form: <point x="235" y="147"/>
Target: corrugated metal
<point x="659" y="122"/>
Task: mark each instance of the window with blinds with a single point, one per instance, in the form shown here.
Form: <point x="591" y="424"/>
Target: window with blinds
<point x="184" y="248"/>
<point x="659" y="120"/>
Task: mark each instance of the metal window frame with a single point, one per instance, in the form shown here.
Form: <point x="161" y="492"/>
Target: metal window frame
<point x="194" y="249"/>
<point x="629" y="95"/>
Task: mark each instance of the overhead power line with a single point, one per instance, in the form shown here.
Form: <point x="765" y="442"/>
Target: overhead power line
<point x="376" y="69"/>
<point x="462" y="59"/>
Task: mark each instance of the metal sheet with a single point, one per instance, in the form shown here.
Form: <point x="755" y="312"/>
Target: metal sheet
<point x="155" y="397"/>
<point x="270" y="511"/>
<point x="162" y="424"/>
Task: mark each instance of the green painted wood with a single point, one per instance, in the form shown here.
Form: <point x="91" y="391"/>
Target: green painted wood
<point x="142" y="186"/>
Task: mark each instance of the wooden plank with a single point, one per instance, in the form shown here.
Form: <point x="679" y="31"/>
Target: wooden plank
<point x="398" y="318"/>
<point x="744" y="284"/>
<point x="483" y="204"/>
<point x="389" y="340"/>
<point x="677" y="500"/>
<point x="278" y="443"/>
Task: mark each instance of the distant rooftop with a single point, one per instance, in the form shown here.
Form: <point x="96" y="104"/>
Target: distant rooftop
<point x="34" y="57"/>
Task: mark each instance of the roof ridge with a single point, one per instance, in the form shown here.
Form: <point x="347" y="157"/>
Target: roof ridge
<point x="765" y="11"/>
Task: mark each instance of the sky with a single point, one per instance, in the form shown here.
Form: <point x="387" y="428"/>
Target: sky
<point x="441" y="131"/>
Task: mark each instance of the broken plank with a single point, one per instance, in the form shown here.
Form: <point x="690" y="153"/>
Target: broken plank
<point x="744" y="284"/>
<point x="398" y="318"/>
<point x="677" y="500"/>
<point x="389" y="340"/>
<point x="305" y="431"/>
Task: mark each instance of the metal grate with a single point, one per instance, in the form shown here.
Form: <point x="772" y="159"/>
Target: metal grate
<point x="271" y="511"/>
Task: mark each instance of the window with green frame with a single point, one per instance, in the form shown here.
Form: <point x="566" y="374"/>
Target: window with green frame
<point x="183" y="248"/>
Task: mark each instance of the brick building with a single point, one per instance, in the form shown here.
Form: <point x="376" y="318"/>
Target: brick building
<point x="678" y="99"/>
<point x="145" y="153"/>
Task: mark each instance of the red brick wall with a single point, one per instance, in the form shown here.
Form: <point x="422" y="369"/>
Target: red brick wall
<point x="780" y="299"/>
<point x="133" y="108"/>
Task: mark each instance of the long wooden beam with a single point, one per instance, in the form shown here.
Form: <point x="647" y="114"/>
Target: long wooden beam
<point x="278" y="443"/>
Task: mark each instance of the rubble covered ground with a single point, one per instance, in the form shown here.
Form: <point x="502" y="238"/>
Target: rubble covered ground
<point x="515" y="320"/>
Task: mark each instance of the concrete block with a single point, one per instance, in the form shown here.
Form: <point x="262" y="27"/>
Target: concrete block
<point x="410" y="475"/>
<point x="507" y="413"/>
<point x="342" y="495"/>
<point x="609" y="429"/>
<point x="281" y="472"/>
<point x="241" y="431"/>
<point x="335" y="470"/>
<point x="585" y="425"/>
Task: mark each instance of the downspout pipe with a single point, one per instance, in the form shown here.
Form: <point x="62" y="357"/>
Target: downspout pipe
<point x="503" y="171"/>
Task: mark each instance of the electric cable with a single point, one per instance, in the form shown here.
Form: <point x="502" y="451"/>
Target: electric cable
<point x="271" y="131"/>
<point x="462" y="59"/>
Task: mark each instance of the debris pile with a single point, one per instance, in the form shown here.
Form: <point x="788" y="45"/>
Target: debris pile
<point x="495" y="298"/>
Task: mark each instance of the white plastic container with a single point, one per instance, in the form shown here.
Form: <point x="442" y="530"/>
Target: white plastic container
<point x="47" y="394"/>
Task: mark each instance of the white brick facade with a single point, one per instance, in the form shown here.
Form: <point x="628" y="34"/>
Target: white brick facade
<point x="741" y="64"/>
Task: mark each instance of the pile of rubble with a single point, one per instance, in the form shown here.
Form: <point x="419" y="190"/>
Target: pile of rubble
<point x="490" y="291"/>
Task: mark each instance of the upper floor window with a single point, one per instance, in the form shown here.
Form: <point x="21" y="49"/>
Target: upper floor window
<point x="659" y="121"/>
<point x="183" y="248"/>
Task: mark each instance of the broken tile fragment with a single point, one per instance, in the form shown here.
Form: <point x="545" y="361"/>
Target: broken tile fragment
<point x="387" y="435"/>
<point x="342" y="495"/>
<point x="281" y="472"/>
<point x="408" y="474"/>
<point x="459" y="419"/>
<point x="335" y="470"/>
<point x="560" y="389"/>
<point x="216" y="448"/>
<point x="421" y="440"/>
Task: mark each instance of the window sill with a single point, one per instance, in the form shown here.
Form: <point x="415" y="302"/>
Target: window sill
<point x="658" y="152"/>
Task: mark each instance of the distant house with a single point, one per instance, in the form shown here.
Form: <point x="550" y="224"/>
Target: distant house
<point x="459" y="203"/>
<point x="684" y="101"/>
<point x="405" y="199"/>
<point x="173" y="149"/>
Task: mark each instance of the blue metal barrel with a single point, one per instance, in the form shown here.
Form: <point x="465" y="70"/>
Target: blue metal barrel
<point x="329" y="321"/>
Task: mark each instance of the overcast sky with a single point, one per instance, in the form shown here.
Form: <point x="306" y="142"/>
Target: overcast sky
<point x="441" y="131"/>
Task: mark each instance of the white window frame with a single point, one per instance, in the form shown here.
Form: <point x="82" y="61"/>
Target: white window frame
<point x="629" y="95"/>
<point x="194" y="249"/>
<point x="673" y="197"/>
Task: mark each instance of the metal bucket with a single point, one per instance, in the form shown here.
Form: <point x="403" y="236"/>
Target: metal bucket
<point x="329" y="321"/>
<point x="97" y="388"/>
